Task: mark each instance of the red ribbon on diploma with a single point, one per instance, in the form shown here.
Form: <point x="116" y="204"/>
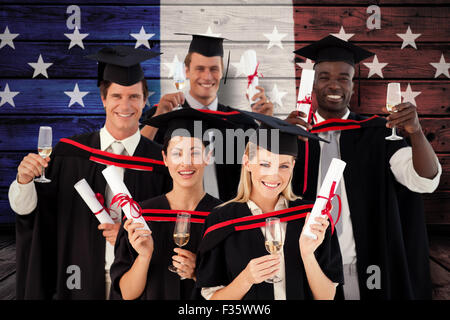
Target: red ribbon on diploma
<point x="100" y="199"/>
<point x="329" y="206"/>
<point x="252" y="76"/>
<point x="308" y="100"/>
<point x="122" y="199"/>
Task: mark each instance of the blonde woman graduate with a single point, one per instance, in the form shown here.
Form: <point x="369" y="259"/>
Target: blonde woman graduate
<point x="232" y="262"/>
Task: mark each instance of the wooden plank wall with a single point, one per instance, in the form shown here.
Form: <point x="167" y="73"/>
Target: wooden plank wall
<point x="42" y="24"/>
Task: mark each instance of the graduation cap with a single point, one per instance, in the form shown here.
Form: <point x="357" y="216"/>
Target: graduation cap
<point x="332" y="48"/>
<point x="288" y="133"/>
<point x="186" y="118"/>
<point x="121" y="64"/>
<point x="208" y="46"/>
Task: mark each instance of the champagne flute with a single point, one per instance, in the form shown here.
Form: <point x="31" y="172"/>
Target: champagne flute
<point x="44" y="149"/>
<point x="181" y="232"/>
<point x="273" y="241"/>
<point x="179" y="78"/>
<point x="394" y="97"/>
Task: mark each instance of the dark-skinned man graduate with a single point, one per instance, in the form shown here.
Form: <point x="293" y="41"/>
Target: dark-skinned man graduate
<point x="204" y="69"/>
<point x="62" y="250"/>
<point x="382" y="232"/>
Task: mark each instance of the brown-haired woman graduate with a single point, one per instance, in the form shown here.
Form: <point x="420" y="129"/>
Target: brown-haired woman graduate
<point x="140" y="269"/>
<point x="232" y="262"/>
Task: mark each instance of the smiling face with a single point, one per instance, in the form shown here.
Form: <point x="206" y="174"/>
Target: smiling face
<point x="204" y="74"/>
<point x="186" y="161"/>
<point x="123" y="106"/>
<point x="270" y="173"/>
<point x="333" y="87"/>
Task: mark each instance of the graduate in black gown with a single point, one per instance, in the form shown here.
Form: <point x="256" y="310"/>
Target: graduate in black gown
<point x="204" y="70"/>
<point x="233" y="262"/>
<point x="60" y="249"/>
<point x="383" y="240"/>
<point x="140" y="269"/>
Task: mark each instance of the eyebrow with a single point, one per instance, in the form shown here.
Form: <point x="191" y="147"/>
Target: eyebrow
<point x="192" y="148"/>
<point x="341" y="73"/>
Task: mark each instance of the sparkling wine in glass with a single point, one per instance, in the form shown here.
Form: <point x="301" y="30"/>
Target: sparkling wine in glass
<point x="181" y="232"/>
<point x="179" y="77"/>
<point x="394" y="97"/>
<point x="273" y="241"/>
<point x="44" y="149"/>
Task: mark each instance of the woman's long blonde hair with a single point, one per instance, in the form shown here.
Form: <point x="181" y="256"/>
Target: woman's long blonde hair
<point x="245" y="181"/>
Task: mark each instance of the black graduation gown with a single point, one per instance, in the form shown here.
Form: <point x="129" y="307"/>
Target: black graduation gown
<point x="162" y="284"/>
<point x="227" y="250"/>
<point x="63" y="232"/>
<point x="227" y="173"/>
<point x="387" y="218"/>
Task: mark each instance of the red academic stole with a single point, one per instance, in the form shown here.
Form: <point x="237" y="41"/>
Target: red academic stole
<point x="107" y="158"/>
<point x="217" y="232"/>
<point x="164" y="215"/>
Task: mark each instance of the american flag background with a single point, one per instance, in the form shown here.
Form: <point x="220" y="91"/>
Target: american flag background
<point x="45" y="79"/>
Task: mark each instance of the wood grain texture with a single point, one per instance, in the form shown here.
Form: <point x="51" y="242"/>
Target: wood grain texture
<point x="22" y="133"/>
<point x="440" y="250"/>
<point x="434" y="98"/>
<point x="313" y="23"/>
<point x="244" y="2"/>
<point x="46" y="96"/>
<point x="67" y="63"/>
<point x="440" y="279"/>
<point x="6" y="214"/>
<point x="436" y="207"/>
<point x="407" y="63"/>
<point x="48" y="22"/>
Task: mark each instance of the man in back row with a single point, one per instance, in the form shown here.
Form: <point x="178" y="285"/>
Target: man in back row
<point x="382" y="233"/>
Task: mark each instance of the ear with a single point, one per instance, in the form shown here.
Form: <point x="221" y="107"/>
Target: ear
<point x="187" y="72"/>
<point x="246" y="162"/>
<point x="208" y="156"/>
<point x="103" y="100"/>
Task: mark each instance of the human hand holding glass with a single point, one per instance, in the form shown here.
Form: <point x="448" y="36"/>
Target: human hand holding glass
<point x="44" y="149"/>
<point x="273" y="241"/>
<point x="394" y="97"/>
<point x="179" y="77"/>
<point x="181" y="232"/>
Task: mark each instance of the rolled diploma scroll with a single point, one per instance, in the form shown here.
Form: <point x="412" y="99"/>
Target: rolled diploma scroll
<point x="250" y="63"/>
<point x="117" y="186"/>
<point x="334" y="173"/>
<point x="92" y="202"/>
<point x="305" y="91"/>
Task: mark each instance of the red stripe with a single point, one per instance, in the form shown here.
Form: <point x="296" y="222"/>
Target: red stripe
<point x="259" y="216"/>
<point x="111" y="155"/>
<point x="250" y="226"/>
<point x="172" y="219"/>
<point x="343" y="121"/>
<point x="262" y="224"/>
<point x="128" y="166"/>
<point x="166" y="211"/>
<point x="355" y="126"/>
<point x="219" y="112"/>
